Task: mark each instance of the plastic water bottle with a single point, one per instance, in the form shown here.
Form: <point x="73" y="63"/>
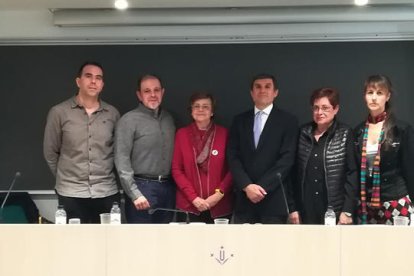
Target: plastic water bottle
<point x="115" y="214"/>
<point x="60" y="215"/>
<point x="330" y="217"/>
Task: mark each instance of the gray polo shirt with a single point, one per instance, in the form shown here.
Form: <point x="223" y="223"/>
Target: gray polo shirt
<point x="79" y="149"/>
<point x="144" y="142"/>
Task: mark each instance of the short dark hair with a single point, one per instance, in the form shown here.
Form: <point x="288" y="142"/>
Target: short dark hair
<point x="263" y="76"/>
<point x="146" y="77"/>
<point x="200" y="96"/>
<point x="86" y="63"/>
<point x="329" y="92"/>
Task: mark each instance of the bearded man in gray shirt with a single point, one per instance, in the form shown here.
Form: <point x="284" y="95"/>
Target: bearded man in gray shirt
<point x="144" y="141"/>
<point x="78" y="147"/>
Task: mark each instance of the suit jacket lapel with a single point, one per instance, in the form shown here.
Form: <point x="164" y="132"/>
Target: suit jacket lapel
<point x="250" y="126"/>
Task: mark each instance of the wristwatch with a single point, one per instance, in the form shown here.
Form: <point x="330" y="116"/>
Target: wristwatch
<point x="219" y="191"/>
<point x="348" y="214"/>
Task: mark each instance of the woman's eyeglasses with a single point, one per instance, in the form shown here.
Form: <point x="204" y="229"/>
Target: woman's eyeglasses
<point x="323" y="108"/>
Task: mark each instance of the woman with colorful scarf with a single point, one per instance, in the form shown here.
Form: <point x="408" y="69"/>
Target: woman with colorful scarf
<point x="385" y="148"/>
<point x="199" y="168"/>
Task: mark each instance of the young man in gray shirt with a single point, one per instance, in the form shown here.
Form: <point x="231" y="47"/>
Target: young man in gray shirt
<point x="144" y="143"/>
<point x="78" y="147"/>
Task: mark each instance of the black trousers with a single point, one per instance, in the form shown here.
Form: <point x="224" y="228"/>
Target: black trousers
<point x="87" y="209"/>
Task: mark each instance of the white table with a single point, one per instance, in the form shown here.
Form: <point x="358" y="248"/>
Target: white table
<point x="198" y="250"/>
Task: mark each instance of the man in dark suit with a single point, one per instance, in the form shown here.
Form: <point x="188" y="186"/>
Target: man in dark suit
<point x="262" y="145"/>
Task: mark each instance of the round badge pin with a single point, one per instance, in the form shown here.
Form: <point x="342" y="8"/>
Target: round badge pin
<point x="214" y="152"/>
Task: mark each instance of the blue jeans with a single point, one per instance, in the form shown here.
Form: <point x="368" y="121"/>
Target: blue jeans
<point x="160" y="194"/>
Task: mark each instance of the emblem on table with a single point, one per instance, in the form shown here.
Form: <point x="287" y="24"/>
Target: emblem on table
<point x="222" y="256"/>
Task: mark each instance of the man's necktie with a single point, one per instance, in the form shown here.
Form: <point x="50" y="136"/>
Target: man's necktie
<point x="257" y="129"/>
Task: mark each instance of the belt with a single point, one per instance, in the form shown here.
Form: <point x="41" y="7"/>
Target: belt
<point x="153" y="177"/>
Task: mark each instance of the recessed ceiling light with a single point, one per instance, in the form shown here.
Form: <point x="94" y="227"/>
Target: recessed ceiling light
<point x="361" y="2"/>
<point x="121" y="4"/>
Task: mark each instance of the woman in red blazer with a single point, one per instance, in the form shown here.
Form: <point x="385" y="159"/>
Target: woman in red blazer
<point x="199" y="168"/>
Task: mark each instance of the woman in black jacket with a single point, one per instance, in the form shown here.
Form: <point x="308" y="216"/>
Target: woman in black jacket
<point x="326" y="173"/>
<point x="385" y="151"/>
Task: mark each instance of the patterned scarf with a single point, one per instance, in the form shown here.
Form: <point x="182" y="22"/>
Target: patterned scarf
<point x="379" y="118"/>
<point x="201" y="140"/>
<point x="376" y="180"/>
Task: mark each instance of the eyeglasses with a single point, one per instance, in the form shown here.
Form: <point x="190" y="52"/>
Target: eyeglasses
<point x="323" y="108"/>
<point x="202" y="107"/>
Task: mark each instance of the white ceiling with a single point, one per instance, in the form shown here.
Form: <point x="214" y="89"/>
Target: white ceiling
<point x="40" y="21"/>
<point x="83" y="4"/>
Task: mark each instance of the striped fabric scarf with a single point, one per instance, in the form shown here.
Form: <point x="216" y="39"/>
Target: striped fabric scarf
<point x="376" y="180"/>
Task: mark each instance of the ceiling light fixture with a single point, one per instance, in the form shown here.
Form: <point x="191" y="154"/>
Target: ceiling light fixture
<point x="121" y="4"/>
<point x="361" y="2"/>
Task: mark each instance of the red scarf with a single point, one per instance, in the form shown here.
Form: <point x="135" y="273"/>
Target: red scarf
<point x="379" y="118"/>
<point x="202" y="140"/>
